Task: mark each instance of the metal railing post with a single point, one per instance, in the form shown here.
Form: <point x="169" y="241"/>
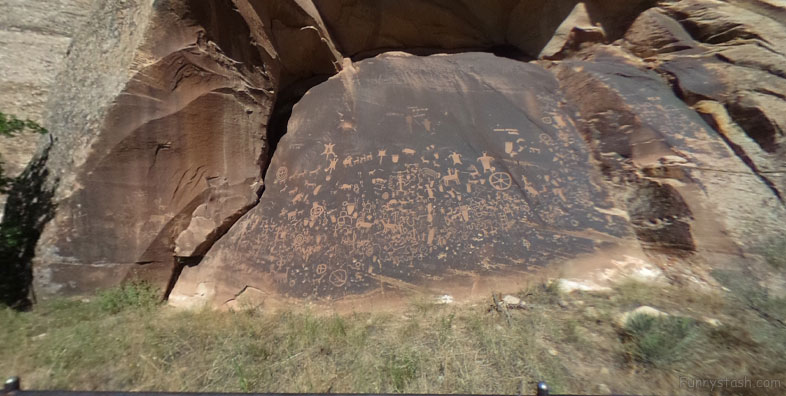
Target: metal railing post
<point x="11" y="385"/>
<point x="543" y="389"/>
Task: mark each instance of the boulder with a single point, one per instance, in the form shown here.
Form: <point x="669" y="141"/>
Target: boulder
<point x="402" y="170"/>
<point x="159" y="138"/>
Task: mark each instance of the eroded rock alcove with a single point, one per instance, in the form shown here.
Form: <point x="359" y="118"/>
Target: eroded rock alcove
<point x="232" y="151"/>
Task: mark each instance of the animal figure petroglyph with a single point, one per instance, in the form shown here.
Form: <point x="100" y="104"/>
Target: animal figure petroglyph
<point x="392" y="227"/>
<point x="456" y="157"/>
<point x="279" y="277"/>
<point x="453" y="175"/>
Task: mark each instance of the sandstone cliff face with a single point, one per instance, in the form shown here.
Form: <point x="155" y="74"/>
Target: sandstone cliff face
<point x="635" y="131"/>
<point x="34" y="40"/>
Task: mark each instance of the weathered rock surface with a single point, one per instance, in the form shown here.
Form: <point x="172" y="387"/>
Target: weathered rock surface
<point x="403" y="170"/>
<point x="34" y="39"/>
<point x="727" y="60"/>
<point x="643" y="133"/>
<point x="171" y="138"/>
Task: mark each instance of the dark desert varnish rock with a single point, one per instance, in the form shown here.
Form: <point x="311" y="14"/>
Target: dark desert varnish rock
<point x="404" y="169"/>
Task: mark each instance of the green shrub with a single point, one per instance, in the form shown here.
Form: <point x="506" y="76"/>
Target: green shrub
<point x="128" y="297"/>
<point x="402" y="369"/>
<point x="11" y="126"/>
<point x="659" y="341"/>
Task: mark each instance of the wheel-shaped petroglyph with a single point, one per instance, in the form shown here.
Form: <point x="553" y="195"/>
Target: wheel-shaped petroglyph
<point x="321" y="269"/>
<point x="500" y="181"/>
<point x="338" y="278"/>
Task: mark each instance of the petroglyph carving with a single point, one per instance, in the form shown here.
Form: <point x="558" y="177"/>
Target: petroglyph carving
<point x="456" y="157"/>
<point x="321" y="269"/>
<point x="281" y="174"/>
<point x="500" y="181"/>
<point x="338" y="278"/>
<point x="485" y="160"/>
<point x="329" y="150"/>
<point x="422" y="205"/>
<point x="317" y="210"/>
<point x="452" y="176"/>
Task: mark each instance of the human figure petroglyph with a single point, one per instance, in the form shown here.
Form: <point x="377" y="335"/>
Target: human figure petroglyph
<point x="328" y="152"/>
<point x="332" y="166"/>
<point x="485" y="160"/>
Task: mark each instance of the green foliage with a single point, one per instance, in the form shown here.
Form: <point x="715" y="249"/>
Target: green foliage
<point x="660" y="341"/>
<point x="127" y="297"/>
<point x="402" y="369"/>
<point x="11" y="126"/>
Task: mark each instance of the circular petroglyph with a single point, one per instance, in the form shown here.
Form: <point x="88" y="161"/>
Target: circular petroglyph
<point x="281" y="174"/>
<point x="546" y="139"/>
<point x="500" y="181"/>
<point x="338" y="278"/>
<point x="321" y="269"/>
<point x="317" y="210"/>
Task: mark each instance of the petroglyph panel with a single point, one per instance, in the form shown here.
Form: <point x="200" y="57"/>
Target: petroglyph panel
<point x="408" y="169"/>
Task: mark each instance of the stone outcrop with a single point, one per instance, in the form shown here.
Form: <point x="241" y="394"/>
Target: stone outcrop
<point x="171" y="131"/>
<point x="727" y="61"/>
<point x="34" y="41"/>
<point x="599" y="130"/>
<point x="403" y="170"/>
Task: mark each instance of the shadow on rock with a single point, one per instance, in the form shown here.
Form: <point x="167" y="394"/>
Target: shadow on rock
<point x="29" y="207"/>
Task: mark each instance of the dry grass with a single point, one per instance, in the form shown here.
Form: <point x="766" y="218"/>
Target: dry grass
<point x="122" y="341"/>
